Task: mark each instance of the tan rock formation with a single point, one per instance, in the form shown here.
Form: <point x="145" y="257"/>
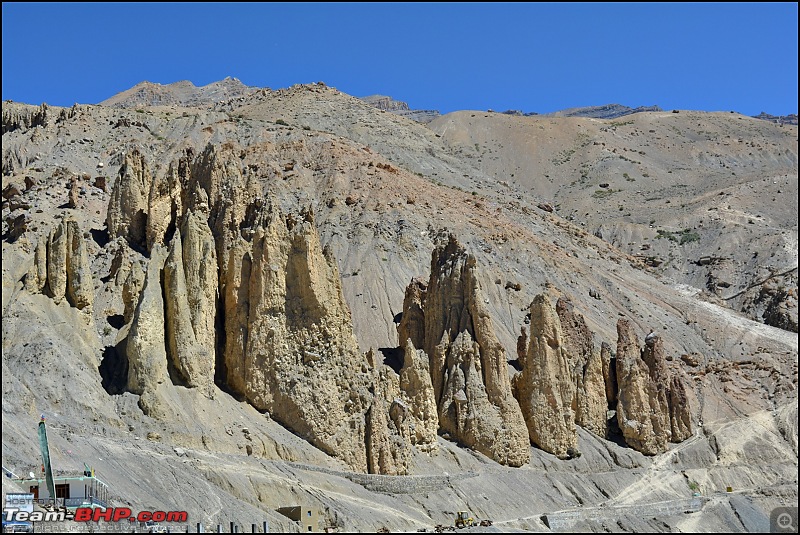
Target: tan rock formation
<point x="131" y="289"/>
<point x="61" y="266"/>
<point x="73" y="197"/>
<point x="415" y="384"/>
<point x="642" y="411"/>
<point x="129" y="203"/>
<point x="163" y="206"/>
<point x="37" y="274"/>
<point x="57" y="245"/>
<point x="680" y="414"/>
<point x="193" y="362"/>
<point x="469" y="368"/>
<point x="412" y="324"/>
<point x="587" y="369"/>
<point x="301" y="360"/>
<point x="387" y="430"/>
<point x="235" y="292"/>
<point x="545" y="388"/>
<point x="80" y="287"/>
<point x="146" y="350"/>
<point x="200" y="268"/>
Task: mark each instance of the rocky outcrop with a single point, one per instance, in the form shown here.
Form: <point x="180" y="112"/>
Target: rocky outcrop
<point x="300" y="361"/>
<point x="57" y="262"/>
<point x="129" y="204"/>
<point x="546" y="386"/>
<point x="468" y="366"/>
<point x="778" y="119"/>
<point x="401" y="108"/>
<point x="387" y="430"/>
<point x="587" y="369"/>
<point x="193" y="362"/>
<point x="200" y="269"/>
<point x="80" y="287"/>
<point x="24" y="116"/>
<point x="609" y="363"/>
<point x="61" y="266"/>
<point x="37" y="274"/>
<point x="680" y="416"/>
<point x="145" y="347"/>
<point x="131" y="289"/>
<point x="412" y="323"/>
<point x="74" y="193"/>
<point x="163" y="207"/>
<point x="183" y="93"/>
<point x="417" y="390"/>
<point x="642" y="410"/>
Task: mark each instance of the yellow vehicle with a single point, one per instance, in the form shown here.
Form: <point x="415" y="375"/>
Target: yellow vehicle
<point x="463" y="520"/>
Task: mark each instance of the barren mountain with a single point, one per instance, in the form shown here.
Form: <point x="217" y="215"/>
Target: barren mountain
<point x="609" y="111"/>
<point x="183" y="93"/>
<point x="292" y="297"/>
<point x="401" y="108"/>
<point x="707" y="199"/>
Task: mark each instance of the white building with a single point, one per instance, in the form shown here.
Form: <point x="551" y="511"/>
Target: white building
<point x="71" y="491"/>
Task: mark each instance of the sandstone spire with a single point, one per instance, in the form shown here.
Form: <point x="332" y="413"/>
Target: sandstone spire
<point x="468" y="366"/>
<point x="546" y="387"/>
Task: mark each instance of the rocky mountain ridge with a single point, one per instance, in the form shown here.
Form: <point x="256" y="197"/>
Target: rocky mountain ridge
<point x="182" y="93"/>
<point x="400" y="108"/>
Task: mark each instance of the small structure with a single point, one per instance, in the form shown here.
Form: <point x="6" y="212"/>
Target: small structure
<point x="307" y="517"/>
<point x="72" y="491"/>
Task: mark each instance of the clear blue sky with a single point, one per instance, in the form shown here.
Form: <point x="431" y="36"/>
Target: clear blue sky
<point x="531" y="57"/>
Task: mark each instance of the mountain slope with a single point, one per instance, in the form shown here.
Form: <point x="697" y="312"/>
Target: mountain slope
<point x="384" y="192"/>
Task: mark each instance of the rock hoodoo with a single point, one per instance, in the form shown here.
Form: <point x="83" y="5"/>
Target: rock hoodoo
<point x="61" y="266"/>
<point x="546" y="386"/>
<point x="586" y="367"/>
<point x="651" y="401"/>
<point x="468" y="366"/>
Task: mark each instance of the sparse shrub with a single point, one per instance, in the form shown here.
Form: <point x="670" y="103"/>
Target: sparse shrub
<point x="681" y="238"/>
<point x="603" y="193"/>
<point x="281" y="122"/>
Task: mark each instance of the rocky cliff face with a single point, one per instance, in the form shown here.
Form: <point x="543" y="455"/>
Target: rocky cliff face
<point x="401" y="108"/>
<point x="586" y="367"/>
<point x="234" y="259"/>
<point x="301" y="361"/>
<point x="468" y="366"/>
<point x="546" y="387"/>
<point x="652" y="401"/>
<point x="61" y="266"/>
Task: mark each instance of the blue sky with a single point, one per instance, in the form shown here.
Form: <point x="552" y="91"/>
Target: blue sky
<point x="531" y="57"/>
